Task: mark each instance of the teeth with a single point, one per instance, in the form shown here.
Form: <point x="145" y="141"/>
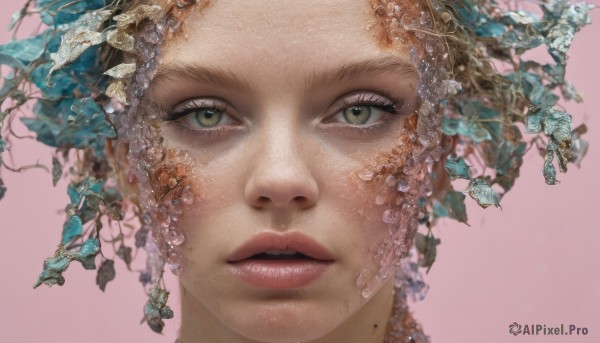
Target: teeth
<point x="281" y="252"/>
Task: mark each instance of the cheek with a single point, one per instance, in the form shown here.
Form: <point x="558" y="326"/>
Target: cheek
<point x="389" y="187"/>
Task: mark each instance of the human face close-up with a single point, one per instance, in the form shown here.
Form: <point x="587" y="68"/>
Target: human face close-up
<point x="279" y="116"/>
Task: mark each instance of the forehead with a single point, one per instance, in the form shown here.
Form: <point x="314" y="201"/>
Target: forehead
<point x="274" y="36"/>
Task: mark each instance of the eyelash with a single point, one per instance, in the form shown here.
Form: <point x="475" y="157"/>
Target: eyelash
<point x="382" y="103"/>
<point x="368" y="99"/>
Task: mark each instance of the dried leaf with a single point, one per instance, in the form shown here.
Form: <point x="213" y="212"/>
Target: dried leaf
<point x="120" y="40"/>
<point x="82" y="35"/>
<point x="93" y="20"/>
<point x="73" y="43"/>
<point x="56" y="170"/>
<point x="549" y="169"/>
<point x="2" y="189"/>
<point x="580" y="146"/>
<point x="117" y="90"/>
<point x="124" y="253"/>
<point x="141" y="236"/>
<point x="121" y="71"/>
<point x="106" y="273"/>
<point x="483" y="193"/>
<point x="152" y="12"/>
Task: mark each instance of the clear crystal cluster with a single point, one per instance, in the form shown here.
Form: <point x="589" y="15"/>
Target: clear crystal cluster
<point x="405" y="175"/>
<point x="160" y="173"/>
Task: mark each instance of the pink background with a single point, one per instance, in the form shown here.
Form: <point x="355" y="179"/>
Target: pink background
<point x="536" y="261"/>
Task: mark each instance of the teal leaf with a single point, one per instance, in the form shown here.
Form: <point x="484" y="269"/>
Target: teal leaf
<point x="478" y="122"/>
<point x="439" y="211"/>
<point x="427" y="247"/>
<point x="88" y="252"/>
<point x="455" y="202"/>
<point x="156" y="309"/>
<point x="60" y="12"/>
<point x="12" y="62"/>
<point x="509" y="161"/>
<point x="466" y="128"/>
<point x="9" y="84"/>
<point x="19" y="53"/>
<point x="72" y="228"/>
<point x="483" y="193"/>
<point x="532" y="87"/>
<point x="556" y="124"/>
<point x="74" y="192"/>
<point x="490" y="30"/>
<point x="52" y="271"/>
<point x="456" y="168"/>
<point x="549" y="170"/>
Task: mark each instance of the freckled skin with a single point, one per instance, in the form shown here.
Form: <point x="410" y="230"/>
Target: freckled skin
<point x="281" y="172"/>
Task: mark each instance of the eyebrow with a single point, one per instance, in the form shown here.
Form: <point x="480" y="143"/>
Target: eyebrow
<point x="316" y="80"/>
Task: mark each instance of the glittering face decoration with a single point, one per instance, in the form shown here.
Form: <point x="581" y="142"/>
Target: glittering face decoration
<point x="286" y="181"/>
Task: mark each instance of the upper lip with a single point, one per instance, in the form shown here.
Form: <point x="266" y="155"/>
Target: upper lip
<point x="266" y="241"/>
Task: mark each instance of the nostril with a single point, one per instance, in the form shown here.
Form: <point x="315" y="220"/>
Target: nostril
<point x="300" y="199"/>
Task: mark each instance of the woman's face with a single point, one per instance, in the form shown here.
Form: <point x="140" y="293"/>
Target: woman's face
<point x="280" y="106"/>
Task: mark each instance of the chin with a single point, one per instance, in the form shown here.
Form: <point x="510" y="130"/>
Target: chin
<point x="283" y="321"/>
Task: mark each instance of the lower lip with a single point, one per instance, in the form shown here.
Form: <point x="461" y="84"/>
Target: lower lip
<point x="279" y="274"/>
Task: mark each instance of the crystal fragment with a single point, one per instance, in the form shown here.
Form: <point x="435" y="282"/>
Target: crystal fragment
<point x="362" y="278"/>
<point x="174" y="263"/>
<point x="402" y="186"/>
<point x="175" y="237"/>
<point x="366" y="293"/>
<point x="390" y="217"/>
<point x="366" y="174"/>
<point x="187" y="197"/>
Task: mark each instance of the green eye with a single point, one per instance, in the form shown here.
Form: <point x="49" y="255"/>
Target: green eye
<point x="208" y="117"/>
<point x="357" y="115"/>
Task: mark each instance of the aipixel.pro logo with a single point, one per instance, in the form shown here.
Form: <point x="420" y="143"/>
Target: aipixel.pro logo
<point x="516" y="329"/>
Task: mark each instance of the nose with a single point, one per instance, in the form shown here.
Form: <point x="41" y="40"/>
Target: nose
<point x="281" y="176"/>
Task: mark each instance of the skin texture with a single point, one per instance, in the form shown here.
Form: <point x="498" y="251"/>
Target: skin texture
<point x="286" y="161"/>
